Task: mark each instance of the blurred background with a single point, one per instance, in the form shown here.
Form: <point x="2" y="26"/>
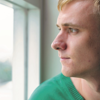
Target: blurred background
<point x="27" y="29"/>
<point x="6" y="52"/>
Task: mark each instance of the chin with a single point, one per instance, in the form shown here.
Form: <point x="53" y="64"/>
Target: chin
<point x="66" y="73"/>
<point x="70" y="72"/>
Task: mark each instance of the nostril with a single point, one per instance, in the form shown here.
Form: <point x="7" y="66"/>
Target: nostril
<point x="57" y="48"/>
<point x="55" y="45"/>
<point x="58" y="45"/>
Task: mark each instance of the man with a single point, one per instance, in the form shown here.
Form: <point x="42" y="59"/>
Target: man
<point x="78" y="45"/>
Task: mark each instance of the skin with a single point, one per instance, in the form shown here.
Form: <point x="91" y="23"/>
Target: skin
<point x="78" y="45"/>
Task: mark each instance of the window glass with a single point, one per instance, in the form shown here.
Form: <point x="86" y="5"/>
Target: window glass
<point x="6" y="52"/>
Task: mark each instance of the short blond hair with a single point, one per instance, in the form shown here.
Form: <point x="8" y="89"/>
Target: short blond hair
<point x="61" y="3"/>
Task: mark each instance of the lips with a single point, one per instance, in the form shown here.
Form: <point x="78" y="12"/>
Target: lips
<point x="64" y="57"/>
<point x="65" y="60"/>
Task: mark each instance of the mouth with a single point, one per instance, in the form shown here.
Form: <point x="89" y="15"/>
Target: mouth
<point x="64" y="58"/>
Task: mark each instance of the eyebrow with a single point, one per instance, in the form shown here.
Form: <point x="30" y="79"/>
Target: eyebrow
<point x="69" y="24"/>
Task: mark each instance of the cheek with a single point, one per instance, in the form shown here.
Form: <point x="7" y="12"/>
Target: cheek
<point x="81" y="46"/>
<point x="86" y="50"/>
<point x="80" y="43"/>
<point x="84" y="41"/>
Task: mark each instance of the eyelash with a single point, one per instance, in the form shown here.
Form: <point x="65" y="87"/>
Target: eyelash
<point x="69" y="30"/>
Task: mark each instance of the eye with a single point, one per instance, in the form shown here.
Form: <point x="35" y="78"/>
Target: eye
<point x="71" y="30"/>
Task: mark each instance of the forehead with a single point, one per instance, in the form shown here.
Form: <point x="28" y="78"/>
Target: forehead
<point x="77" y="11"/>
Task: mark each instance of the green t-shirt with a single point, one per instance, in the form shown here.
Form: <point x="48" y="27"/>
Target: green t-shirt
<point x="56" y="88"/>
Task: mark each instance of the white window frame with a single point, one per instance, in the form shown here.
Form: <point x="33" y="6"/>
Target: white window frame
<point x="26" y="53"/>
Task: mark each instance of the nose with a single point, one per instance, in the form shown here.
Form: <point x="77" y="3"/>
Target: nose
<point x="59" y="43"/>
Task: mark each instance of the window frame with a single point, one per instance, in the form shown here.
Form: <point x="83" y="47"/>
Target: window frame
<point x="26" y="51"/>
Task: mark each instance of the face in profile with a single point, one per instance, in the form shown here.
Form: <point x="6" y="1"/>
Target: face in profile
<point x="78" y="40"/>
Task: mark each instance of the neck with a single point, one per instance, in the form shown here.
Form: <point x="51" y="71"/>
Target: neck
<point x="92" y="83"/>
<point x="89" y="87"/>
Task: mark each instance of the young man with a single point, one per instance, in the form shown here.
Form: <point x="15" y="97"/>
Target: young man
<point x="78" y="45"/>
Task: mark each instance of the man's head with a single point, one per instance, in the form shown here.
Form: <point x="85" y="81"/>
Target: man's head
<point x="78" y="40"/>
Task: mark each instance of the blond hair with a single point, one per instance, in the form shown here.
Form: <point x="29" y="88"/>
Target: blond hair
<point x="61" y="3"/>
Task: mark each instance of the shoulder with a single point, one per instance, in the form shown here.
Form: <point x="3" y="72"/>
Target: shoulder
<point x="49" y="89"/>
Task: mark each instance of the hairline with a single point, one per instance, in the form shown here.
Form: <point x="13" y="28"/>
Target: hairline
<point x="61" y="4"/>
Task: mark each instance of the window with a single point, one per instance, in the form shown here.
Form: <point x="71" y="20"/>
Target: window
<point x="26" y="48"/>
<point x="6" y="52"/>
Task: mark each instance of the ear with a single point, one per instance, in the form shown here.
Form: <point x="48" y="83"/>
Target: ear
<point x="97" y="7"/>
